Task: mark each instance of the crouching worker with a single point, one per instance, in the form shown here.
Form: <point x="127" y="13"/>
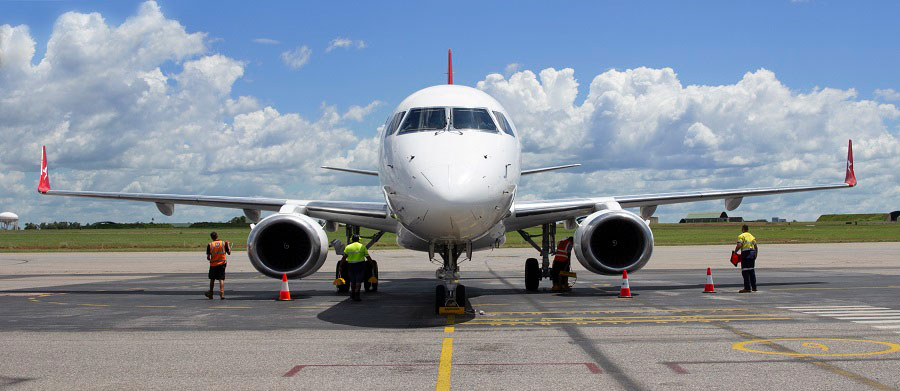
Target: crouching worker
<point x="356" y="254"/>
<point x="216" y="255"/>
<point x="561" y="263"/>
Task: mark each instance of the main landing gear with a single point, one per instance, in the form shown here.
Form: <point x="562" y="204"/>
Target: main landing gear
<point x="534" y="273"/>
<point x="451" y="295"/>
<point x="340" y="272"/>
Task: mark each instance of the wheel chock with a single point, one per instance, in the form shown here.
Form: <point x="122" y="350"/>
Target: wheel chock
<point x="451" y="310"/>
<point x="339" y="281"/>
<point x="568" y="274"/>
<point x="373" y="280"/>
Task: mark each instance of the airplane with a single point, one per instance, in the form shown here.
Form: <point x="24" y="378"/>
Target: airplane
<point x="449" y="170"/>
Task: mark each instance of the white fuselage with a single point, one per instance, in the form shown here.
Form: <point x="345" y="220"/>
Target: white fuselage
<point x="451" y="185"/>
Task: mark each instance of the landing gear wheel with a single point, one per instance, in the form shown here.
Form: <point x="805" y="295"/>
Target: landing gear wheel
<point x="532" y="275"/>
<point x="440" y="298"/>
<point x="461" y="295"/>
<point x="371" y="271"/>
<point x="340" y="271"/>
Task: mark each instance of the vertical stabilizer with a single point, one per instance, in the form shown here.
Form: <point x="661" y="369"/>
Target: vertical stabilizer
<point x="449" y="66"/>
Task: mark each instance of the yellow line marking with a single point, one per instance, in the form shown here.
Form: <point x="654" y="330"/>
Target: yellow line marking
<point x="156" y="306"/>
<point x="55" y="302"/>
<point x="891" y="347"/>
<point x="443" y="379"/>
<point x="449" y="329"/>
<point x="227" y="308"/>
<point x="610" y="311"/>
<point x="529" y="322"/>
<point x="95" y="305"/>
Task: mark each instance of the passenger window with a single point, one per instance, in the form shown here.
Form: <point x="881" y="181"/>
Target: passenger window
<point x="477" y="119"/>
<point x="432" y="118"/>
<point x="394" y="123"/>
<point x="504" y="124"/>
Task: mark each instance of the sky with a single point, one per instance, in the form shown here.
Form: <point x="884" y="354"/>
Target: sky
<point x="241" y="99"/>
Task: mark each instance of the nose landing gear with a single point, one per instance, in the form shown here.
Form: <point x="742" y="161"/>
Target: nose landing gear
<point x="450" y="297"/>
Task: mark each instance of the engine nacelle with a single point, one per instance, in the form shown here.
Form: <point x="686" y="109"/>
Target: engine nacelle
<point x="610" y="241"/>
<point x="287" y="243"/>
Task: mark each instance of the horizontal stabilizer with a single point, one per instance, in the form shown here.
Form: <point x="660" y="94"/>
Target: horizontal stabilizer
<point x="545" y="169"/>
<point x="352" y="170"/>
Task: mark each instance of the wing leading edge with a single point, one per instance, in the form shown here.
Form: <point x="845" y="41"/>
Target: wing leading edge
<point x="529" y="213"/>
<point x="366" y="214"/>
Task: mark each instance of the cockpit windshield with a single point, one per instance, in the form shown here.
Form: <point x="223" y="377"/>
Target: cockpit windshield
<point x="424" y="119"/>
<point x="477" y="119"/>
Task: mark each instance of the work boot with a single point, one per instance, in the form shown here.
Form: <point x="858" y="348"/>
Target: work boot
<point x="208" y="294"/>
<point x="222" y="296"/>
<point x="744" y="291"/>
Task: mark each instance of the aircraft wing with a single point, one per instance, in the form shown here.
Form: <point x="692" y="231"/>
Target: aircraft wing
<point x="530" y="213"/>
<point x="365" y="214"/>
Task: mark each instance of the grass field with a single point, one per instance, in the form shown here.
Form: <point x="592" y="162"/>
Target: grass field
<point x="186" y="239"/>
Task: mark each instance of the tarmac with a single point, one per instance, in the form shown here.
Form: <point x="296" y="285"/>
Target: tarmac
<point x="826" y="317"/>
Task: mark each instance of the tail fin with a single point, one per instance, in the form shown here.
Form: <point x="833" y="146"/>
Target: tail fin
<point x="449" y="66"/>
<point x="44" y="184"/>
<point x="850" y="178"/>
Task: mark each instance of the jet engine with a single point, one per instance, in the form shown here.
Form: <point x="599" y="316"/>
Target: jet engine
<point x="287" y="243"/>
<point x="610" y="241"/>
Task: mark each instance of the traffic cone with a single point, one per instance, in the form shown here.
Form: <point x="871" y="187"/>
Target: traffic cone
<point x="626" y="290"/>
<point x="710" y="288"/>
<point x="285" y="291"/>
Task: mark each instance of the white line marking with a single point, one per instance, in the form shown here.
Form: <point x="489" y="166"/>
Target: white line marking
<point x="888" y="327"/>
<point x="878" y="321"/>
<point x="869" y="317"/>
<point x="892" y="312"/>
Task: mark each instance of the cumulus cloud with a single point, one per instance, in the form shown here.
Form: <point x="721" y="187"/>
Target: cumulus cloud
<point x="887" y="94"/>
<point x="297" y="57"/>
<point x="511" y="68"/>
<point x="267" y="41"/>
<point x="113" y="120"/>
<point x="345" y="43"/>
<point x="642" y="131"/>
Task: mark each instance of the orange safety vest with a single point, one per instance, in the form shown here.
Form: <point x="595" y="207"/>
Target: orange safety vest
<point x="562" y="251"/>
<point x="216" y="253"/>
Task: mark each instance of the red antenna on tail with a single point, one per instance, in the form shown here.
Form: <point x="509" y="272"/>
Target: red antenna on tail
<point x="449" y="66"/>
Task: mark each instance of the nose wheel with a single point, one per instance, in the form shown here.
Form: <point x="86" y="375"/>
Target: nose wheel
<point x="450" y="296"/>
<point x="444" y="298"/>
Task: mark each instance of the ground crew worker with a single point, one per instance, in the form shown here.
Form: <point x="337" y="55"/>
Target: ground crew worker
<point x="747" y="245"/>
<point x="355" y="254"/>
<point x="216" y="255"/>
<point x="561" y="263"/>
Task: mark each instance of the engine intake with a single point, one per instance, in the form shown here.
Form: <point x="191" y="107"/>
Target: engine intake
<point x="284" y="243"/>
<point x="610" y="241"/>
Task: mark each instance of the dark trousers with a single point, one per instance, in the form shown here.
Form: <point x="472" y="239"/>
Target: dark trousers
<point x="748" y="270"/>
<point x="554" y="273"/>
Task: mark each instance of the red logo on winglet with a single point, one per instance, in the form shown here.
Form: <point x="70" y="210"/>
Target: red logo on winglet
<point x="44" y="184"/>
<point x="850" y="178"/>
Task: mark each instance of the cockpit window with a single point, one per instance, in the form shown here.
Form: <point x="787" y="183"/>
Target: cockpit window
<point x="394" y="123"/>
<point x="477" y="119"/>
<point x="431" y="118"/>
<point x="504" y="124"/>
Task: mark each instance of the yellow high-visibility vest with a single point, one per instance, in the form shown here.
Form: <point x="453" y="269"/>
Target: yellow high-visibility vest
<point x="356" y="252"/>
<point x="748" y="242"/>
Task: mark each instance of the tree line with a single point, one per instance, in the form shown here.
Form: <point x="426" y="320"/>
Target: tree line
<point x="239" y="221"/>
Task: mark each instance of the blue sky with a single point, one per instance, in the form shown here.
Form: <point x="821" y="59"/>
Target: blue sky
<point x="807" y="46"/>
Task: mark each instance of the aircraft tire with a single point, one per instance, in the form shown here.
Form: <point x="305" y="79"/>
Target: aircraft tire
<point x="532" y="275"/>
<point x="440" y="298"/>
<point x="461" y="295"/>
<point x="341" y="270"/>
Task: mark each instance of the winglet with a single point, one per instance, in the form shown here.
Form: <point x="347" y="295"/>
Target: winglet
<point x="449" y="66"/>
<point x="44" y="184"/>
<point x="850" y="178"/>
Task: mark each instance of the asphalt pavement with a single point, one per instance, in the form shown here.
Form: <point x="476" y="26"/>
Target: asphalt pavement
<point x="826" y="317"/>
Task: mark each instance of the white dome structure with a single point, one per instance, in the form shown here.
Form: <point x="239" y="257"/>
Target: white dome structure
<point x="9" y="220"/>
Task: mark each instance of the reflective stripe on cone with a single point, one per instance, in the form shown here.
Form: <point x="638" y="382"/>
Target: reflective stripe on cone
<point x="285" y="290"/>
<point x="625" y="292"/>
<point x="710" y="288"/>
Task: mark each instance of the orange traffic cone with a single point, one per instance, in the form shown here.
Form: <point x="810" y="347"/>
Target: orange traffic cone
<point x="626" y="290"/>
<point x="285" y="291"/>
<point x="710" y="288"/>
